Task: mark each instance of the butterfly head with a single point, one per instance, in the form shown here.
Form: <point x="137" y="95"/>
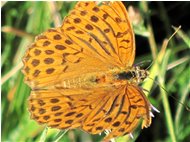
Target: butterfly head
<point x="135" y="74"/>
<point x="141" y="74"/>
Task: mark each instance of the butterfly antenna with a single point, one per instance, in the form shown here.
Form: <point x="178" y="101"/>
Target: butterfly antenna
<point x="176" y="30"/>
<point x="150" y="65"/>
<point x="143" y="62"/>
<point x="183" y="104"/>
<point x="146" y="61"/>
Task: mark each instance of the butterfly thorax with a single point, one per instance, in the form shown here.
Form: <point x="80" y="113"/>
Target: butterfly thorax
<point x="131" y="75"/>
<point x="134" y="74"/>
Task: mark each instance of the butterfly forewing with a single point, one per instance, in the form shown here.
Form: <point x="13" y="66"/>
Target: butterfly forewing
<point x="49" y="61"/>
<point x="124" y="35"/>
<point x="105" y="29"/>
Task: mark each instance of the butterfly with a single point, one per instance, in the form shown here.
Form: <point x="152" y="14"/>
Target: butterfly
<point x="82" y="75"/>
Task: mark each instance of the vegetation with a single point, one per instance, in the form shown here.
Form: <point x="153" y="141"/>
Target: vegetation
<point x="22" y="21"/>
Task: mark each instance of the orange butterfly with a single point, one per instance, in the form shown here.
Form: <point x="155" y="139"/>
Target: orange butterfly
<point x="82" y="75"/>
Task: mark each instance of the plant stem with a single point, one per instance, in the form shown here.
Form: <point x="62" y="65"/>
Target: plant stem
<point x="151" y="38"/>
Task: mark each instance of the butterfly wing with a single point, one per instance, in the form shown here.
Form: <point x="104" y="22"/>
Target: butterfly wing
<point x="134" y="108"/>
<point x="117" y="109"/>
<point x="88" y="30"/>
<point x="54" y="58"/>
<point x="69" y="108"/>
<point x="105" y="27"/>
<point x="125" y="36"/>
<point x="121" y="115"/>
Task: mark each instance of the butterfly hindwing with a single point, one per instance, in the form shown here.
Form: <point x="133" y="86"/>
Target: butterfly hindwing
<point x="68" y="109"/>
<point x="135" y="109"/>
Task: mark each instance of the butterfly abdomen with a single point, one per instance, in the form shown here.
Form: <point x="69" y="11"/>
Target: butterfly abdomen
<point x="90" y="80"/>
<point x="77" y="82"/>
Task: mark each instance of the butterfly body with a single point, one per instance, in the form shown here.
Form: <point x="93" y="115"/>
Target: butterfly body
<point x="91" y="80"/>
<point x="122" y="76"/>
<point x="111" y="78"/>
<point x="82" y="74"/>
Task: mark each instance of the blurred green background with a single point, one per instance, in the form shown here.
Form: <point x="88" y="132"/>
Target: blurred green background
<point x="152" y="21"/>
